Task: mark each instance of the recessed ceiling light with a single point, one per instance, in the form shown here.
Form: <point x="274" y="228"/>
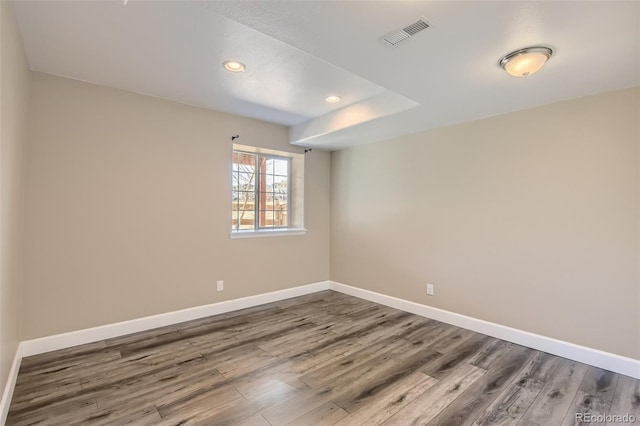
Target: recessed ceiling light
<point x="333" y="98"/>
<point x="233" y="66"/>
<point x="524" y="62"/>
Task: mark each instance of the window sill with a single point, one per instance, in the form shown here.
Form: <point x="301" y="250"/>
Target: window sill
<point x="268" y="233"/>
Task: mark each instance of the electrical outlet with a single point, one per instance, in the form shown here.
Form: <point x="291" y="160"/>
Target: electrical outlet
<point x="429" y="289"/>
<point x="220" y="286"/>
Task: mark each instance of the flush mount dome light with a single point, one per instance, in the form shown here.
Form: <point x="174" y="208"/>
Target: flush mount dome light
<point x="233" y="66"/>
<point x="333" y="98"/>
<point x="524" y="62"/>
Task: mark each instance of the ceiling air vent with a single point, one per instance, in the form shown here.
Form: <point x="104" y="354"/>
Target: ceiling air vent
<point x="395" y="37"/>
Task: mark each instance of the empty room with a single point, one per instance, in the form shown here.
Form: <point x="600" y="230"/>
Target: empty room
<point x="319" y="212"/>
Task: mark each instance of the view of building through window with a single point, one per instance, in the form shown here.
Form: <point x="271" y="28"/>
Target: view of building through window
<point x="260" y="191"/>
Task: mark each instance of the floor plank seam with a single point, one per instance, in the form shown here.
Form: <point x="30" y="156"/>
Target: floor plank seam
<point x="319" y="359"/>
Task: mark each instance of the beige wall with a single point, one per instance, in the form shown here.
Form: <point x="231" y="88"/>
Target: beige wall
<point x="529" y="219"/>
<point x="128" y="202"/>
<point x="14" y="95"/>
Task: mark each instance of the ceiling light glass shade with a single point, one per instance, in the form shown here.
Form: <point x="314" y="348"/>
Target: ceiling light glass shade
<point x="527" y="61"/>
<point x="233" y="66"/>
<point x="333" y="98"/>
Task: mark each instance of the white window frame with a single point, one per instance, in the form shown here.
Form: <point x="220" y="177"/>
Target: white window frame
<point x="295" y="194"/>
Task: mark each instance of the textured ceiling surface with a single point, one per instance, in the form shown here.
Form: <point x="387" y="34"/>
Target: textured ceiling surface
<point x="297" y="53"/>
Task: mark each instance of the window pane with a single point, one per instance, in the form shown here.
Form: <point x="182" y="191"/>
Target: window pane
<point x="259" y="182"/>
<point x="243" y="187"/>
<point x="269" y="166"/>
<point x="246" y="181"/>
<point x="276" y="166"/>
<point x="246" y="169"/>
<point x="266" y="199"/>
<point x="241" y="159"/>
<point x="244" y="196"/>
<point x="246" y="219"/>
<point x="280" y="184"/>
<point x="280" y="205"/>
<point x="269" y="181"/>
<point x="281" y="167"/>
<point x="276" y="217"/>
<point x="264" y="220"/>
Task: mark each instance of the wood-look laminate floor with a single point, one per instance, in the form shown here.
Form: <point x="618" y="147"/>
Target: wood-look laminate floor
<point x="321" y="359"/>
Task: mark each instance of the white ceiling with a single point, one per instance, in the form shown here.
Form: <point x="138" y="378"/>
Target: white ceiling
<point x="298" y="52"/>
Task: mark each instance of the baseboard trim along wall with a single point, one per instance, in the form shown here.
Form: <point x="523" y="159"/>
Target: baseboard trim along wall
<point x="5" y="402"/>
<point x="89" y="335"/>
<point x="605" y="360"/>
<point x="608" y="361"/>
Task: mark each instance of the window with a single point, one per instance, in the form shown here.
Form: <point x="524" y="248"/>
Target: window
<point x="263" y="191"/>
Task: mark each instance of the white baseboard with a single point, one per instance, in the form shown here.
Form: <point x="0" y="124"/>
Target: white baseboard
<point x="605" y="360"/>
<point x="5" y="403"/>
<point x="608" y="361"/>
<point x="616" y="363"/>
<point x="89" y="335"/>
